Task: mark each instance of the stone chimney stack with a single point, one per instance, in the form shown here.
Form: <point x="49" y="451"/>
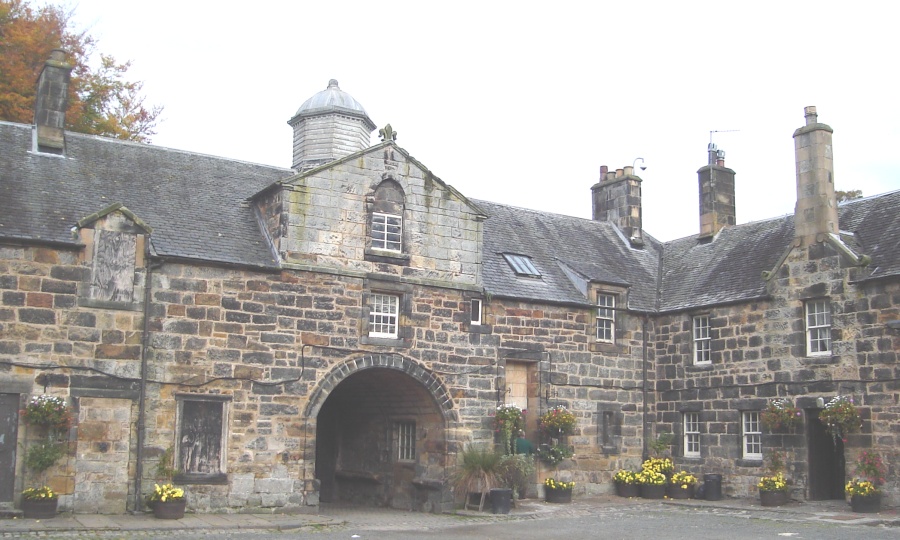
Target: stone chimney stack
<point x="717" y="207"/>
<point x="50" y="104"/>
<point x="617" y="198"/>
<point x="816" y="211"/>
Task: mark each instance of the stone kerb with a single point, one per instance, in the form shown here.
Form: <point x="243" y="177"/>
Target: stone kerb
<point x="388" y="361"/>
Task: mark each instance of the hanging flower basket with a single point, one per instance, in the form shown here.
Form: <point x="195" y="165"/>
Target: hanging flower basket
<point x="557" y="422"/>
<point x="840" y="417"/>
<point x="780" y="415"/>
<point x="509" y="420"/>
<point x="47" y="411"/>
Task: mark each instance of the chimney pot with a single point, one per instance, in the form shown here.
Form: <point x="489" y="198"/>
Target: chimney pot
<point x="629" y="170"/>
<point x="603" y="170"/>
<point x="811" y="116"/>
<point x="619" y="172"/>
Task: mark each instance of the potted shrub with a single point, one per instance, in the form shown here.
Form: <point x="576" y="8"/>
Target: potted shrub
<point x="682" y="485"/>
<point x="626" y="484"/>
<point x="653" y="483"/>
<point x="557" y="491"/>
<point x="558" y="421"/>
<point x="39" y="503"/>
<point x="840" y="417"/>
<point x="509" y="420"/>
<point x="865" y="495"/>
<point x="773" y="490"/>
<point x="515" y="470"/>
<point x="780" y="415"/>
<point x="478" y="472"/>
<point x="167" y="501"/>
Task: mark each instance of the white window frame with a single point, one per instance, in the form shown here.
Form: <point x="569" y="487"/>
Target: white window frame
<point x="752" y="435"/>
<point x="387" y="232"/>
<point x="384" y="315"/>
<point x="691" y="423"/>
<point x="476" y="308"/>
<point x="702" y="341"/>
<point x="818" y="327"/>
<point x="406" y="440"/>
<point x="606" y="317"/>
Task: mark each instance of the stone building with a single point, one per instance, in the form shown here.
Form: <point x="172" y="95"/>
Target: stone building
<point x="340" y="329"/>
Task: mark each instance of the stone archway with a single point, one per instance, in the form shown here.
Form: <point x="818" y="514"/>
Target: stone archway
<point x="381" y="425"/>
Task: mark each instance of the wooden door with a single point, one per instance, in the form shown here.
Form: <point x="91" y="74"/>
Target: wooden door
<point x="9" y="427"/>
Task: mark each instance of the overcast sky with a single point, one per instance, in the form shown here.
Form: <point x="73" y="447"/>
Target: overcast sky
<point x="522" y="102"/>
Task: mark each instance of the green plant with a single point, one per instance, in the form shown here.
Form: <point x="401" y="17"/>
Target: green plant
<point x="683" y="479"/>
<point x="47" y="411"/>
<point x="514" y="470"/>
<point x="861" y="488"/>
<point x="509" y="420"/>
<point x="780" y="415"/>
<point x="660" y="465"/>
<point x="775" y="462"/>
<point x="554" y="454"/>
<point x="840" y="417"/>
<point x="478" y="470"/>
<point x="625" y="477"/>
<point x="661" y="444"/>
<point x="558" y="421"/>
<point x="42" y="493"/>
<point x="553" y="483"/>
<point x="775" y="482"/>
<point x="870" y="466"/>
<point x="42" y="456"/>
<point x="165" y="467"/>
<point x="165" y="492"/>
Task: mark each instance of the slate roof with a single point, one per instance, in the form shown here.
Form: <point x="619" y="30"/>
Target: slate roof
<point x="591" y="250"/>
<point x="191" y="201"/>
<point x="196" y="207"/>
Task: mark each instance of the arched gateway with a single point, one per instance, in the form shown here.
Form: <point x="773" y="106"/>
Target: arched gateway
<point x="381" y="423"/>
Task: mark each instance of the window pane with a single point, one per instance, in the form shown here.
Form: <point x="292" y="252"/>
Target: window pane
<point x="752" y="435"/>
<point x="606" y="318"/>
<point x="818" y="327"/>
<point x="383" y="315"/>
<point x="406" y="441"/>
<point x="692" y="434"/>
<point x="702" y="342"/>
<point x="387" y="231"/>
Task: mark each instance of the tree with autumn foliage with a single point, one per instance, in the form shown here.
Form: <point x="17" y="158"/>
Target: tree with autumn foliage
<point x="101" y="100"/>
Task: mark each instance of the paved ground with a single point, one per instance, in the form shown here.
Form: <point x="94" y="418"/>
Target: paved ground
<point x="380" y="518"/>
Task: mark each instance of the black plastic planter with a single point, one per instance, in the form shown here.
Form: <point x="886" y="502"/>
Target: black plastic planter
<point x="501" y="500"/>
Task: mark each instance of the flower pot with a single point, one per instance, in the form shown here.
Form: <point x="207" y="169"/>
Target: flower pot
<point x="39" y="508"/>
<point x="628" y="490"/>
<point x="501" y="500"/>
<point x="675" y="491"/>
<point x="557" y="495"/>
<point x="650" y="491"/>
<point x="866" y="505"/>
<point x="773" y="498"/>
<point x="169" y="509"/>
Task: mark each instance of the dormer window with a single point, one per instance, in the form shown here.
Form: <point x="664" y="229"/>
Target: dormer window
<point x="387" y="232"/>
<point x="521" y="265"/>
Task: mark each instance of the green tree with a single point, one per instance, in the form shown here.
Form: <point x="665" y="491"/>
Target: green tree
<point x="101" y="100"/>
<point x="848" y="195"/>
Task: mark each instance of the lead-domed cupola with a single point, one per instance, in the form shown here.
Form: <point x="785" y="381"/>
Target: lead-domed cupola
<point x="329" y="125"/>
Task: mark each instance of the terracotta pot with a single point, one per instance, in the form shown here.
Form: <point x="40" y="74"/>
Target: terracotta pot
<point x="628" y="490"/>
<point x="40" y="508"/>
<point x="866" y="505"/>
<point x="653" y="492"/>
<point x="169" y="509"/>
<point x="675" y="491"/>
<point x="557" y="495"/>
<point x="773" y="498"/>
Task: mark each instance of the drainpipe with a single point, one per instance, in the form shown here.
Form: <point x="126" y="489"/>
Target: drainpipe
<point x="646" y="413"/>
<point x="145" y="342"/>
